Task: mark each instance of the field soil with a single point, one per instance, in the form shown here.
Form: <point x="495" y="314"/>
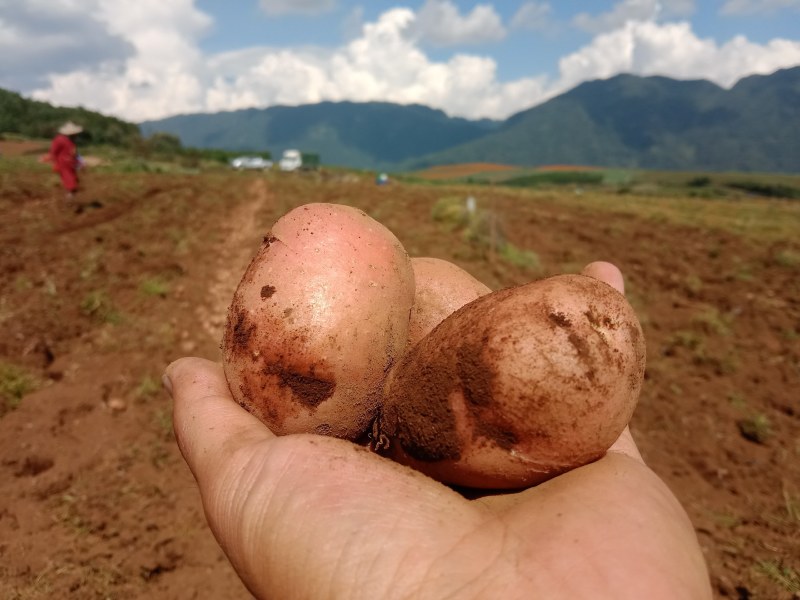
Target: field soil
<point x="100" y="294"/>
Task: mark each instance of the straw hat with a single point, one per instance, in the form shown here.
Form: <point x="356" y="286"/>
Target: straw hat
<point x="70" y="128"/>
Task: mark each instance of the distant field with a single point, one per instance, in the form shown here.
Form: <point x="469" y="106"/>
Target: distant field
<point x="462" y="170"/>
<point x="21" y="148"/>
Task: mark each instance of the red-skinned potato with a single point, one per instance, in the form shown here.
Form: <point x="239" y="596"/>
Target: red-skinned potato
<point x="518" y="386"/>
<point x="441" y="289"/>
<point x="317" y="321"/>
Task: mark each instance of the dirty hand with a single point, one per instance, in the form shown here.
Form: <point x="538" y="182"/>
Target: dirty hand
<point x="306" y="516"/>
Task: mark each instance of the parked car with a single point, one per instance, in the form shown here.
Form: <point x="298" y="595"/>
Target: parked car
<point x="242" y="163"/>
<point x="291" y="160"/>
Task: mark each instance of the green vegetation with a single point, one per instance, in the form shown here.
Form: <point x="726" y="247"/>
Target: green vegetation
<point x="154" y="286"/>
<point x="766" y="190"/>
<point x="34" y="119"/>
<point x="24" y="119"/>
<point x="98" y="306"/>
<point x="557" y="178"/>
<point x="788" y="258"/>
<point x="784" y="575"/>
<point x="15" y="382"/>
<point x="148" y="387"/>
<point x="757" y="428"/>
<point x="652" y="123"/>
<point x="483" y="230"/>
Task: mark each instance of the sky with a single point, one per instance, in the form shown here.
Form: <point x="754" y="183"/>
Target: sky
<point x="149" y="59"/>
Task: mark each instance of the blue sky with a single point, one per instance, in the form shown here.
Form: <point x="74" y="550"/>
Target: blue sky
<point x="153" y="58"/>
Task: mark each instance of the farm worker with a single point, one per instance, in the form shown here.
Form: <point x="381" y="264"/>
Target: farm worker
<point x="304" y="516"/>
<point x="64" y="156"/>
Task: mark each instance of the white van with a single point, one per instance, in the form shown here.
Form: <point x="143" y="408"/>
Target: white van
<point x="291" y="160"/>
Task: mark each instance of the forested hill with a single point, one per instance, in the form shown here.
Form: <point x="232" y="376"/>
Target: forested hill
<point x="367" y="135"/>
<point x="653" y="122"/>
<point x="41" y="120"/>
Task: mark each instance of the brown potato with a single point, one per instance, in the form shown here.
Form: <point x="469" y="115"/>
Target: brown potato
<point x="441" y="289"/>
<point x="518" y="386"/>
<point x="317" y="321"/>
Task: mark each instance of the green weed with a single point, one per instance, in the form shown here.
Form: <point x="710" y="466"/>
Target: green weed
<point x="693" y="284"/>
<point x="757" y="428"/>
<point x="148" y="387"/>
<point x="525" y="259"/>
<point x="737" y="400"/>
<point x="15" y="383"/>
<point x="451" y="212"/>
<point x="710" y="320"/>
<point x="788" y="258"/>
<point x="784" y="575"/>
<point x="99" y="307"/>
<point x="154" y="286"/>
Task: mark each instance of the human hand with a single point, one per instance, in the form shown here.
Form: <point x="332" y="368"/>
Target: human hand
<point x="306" y="516"/>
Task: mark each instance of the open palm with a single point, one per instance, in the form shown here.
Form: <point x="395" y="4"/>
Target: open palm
<point x="306" y="516"/>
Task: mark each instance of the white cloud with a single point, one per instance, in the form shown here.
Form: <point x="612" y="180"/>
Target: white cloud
<point x="673" y="50"/>
<point x="532" y="16"/>
<point x="749" y="7"/>
<point x="633" y="10"/>
<point x="39" y="37"/>
<point x="381" y="64"/>
<point x="677" y="8"/>
<point x="306" y="7"/>
<point x="439" y="23"/>
<point x="165" y="75"/>
<point x="163" y="72"/>
<point x="621" y="13"/>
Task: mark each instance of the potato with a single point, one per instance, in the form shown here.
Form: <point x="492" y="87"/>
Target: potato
<point x="317" y="321"/>
<point x="517" y="386"/>
<point x="441" y="289"/>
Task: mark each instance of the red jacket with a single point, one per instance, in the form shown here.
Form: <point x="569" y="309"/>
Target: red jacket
<point x="64" y="154"/>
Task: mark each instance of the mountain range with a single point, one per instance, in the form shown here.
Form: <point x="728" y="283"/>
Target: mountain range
<point x="626" y="121"/>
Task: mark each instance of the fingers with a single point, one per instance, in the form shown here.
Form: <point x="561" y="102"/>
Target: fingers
<point x="611" y="275"/>
<point x="607" y="273"/>
<point x="625" y="445"/>
<point x="209" y="425"/>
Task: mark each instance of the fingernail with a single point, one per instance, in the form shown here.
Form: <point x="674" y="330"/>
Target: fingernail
<point x="167" y="383"/>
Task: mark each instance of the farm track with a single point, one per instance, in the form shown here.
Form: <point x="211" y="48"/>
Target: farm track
<point x="241" y="239"/>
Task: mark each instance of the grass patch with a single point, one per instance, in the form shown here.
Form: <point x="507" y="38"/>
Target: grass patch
<point x="15" y="382"/>
<point x="710" y="320"/>
<point x="483" y="230"/>
<point x="451" y="212"/>
<point x="784" y="575"/>
<point x="154" y="286"/>
<point x="98" y="306"/>
<point x="766" y="190"/>
<point x="525" y="259"/>
<point x="557" y="178"/>
<point x="789" y="259"/>
<point x="148" y="387"/>
<point x="757" y="428"/>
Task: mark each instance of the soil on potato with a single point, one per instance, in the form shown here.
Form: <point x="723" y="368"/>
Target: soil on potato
<point x="100" y="294"/>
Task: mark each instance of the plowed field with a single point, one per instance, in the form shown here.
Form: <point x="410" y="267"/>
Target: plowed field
<point x="99" y="295"/>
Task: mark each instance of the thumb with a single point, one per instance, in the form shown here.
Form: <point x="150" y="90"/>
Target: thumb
<point x="209" y="426"/>
<point x="606" y="272"/>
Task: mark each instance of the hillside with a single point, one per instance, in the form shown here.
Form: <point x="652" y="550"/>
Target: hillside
<point x="624" y="121"/>
<point x="35" y="119"/>
<point x="652" y="122"/>
<point x="366" y="135"/>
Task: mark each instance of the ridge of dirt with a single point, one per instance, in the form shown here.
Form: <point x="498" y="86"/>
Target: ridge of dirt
<point x="241" y="240"/>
